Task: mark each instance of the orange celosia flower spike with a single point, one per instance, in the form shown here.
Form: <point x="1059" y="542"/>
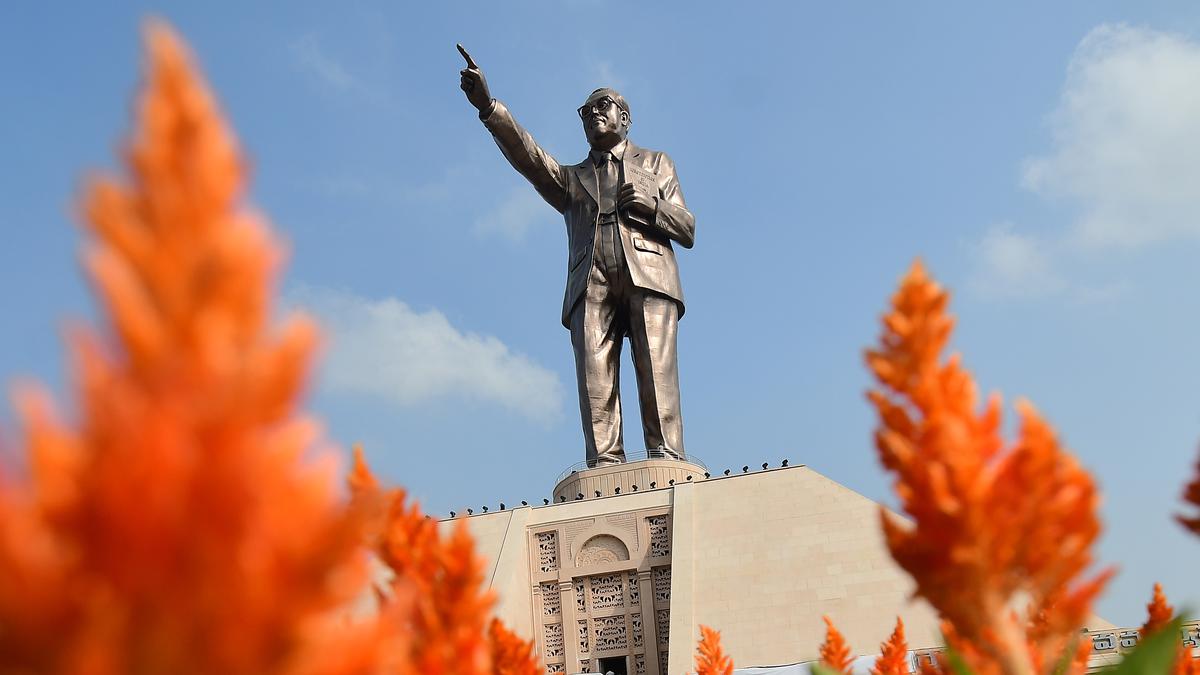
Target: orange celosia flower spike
<point x="511" y="655"/>
<point x="1158" y="612"/>
<point x="988" y="525"/>
<point x="436" y="588"/>
<point x="893" y="654"/>
<point x="175" y="527"/>
<point x="710" y="657"/>
<point x="835" y="653"/>
<point x="1191" y="495"/>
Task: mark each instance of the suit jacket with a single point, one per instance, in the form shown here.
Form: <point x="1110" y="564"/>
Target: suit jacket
<point x="572" y="190"/>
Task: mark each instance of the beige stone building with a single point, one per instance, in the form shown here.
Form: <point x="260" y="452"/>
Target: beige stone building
<point x="622" y="581"/>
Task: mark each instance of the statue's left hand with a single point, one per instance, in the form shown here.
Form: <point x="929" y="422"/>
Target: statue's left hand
<point x="633" y="200"/>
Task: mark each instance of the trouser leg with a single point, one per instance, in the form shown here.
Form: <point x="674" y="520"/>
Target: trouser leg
<point x="653" y="320"/>
<point x="596" y="334"/>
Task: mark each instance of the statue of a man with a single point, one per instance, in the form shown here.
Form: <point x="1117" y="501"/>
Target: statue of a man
<point x="623" y="208"/>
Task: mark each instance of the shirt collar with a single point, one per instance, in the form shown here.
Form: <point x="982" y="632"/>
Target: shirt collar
<point x="617" y="151"/>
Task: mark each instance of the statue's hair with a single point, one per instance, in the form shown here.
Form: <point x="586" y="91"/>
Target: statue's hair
<point x="615" y="96"/>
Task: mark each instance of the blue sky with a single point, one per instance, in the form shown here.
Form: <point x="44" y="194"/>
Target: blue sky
<point x="1042" y="158"/>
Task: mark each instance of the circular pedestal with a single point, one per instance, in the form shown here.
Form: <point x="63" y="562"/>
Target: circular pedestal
<point x="646" y="474"/>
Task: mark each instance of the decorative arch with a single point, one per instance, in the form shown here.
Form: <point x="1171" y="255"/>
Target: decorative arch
<point x="602" y="548"/>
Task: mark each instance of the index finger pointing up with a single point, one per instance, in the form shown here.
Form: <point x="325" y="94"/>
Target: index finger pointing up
<point x="465" y="55"/>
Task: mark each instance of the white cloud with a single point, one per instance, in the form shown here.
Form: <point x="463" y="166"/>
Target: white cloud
<point x="384" y="348"/>
<point x="514" y="217"/>
<point x="1013" y="265"/>
<point x="1127" y="139"/>
<point x="312" y="58"/>
<point x="606" y="76"/>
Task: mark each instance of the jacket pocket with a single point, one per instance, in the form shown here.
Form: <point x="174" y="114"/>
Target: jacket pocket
<point x="648" y="246"/>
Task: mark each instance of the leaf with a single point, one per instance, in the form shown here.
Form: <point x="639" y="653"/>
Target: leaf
<point x="1068" y="657"/>
<point x="1154" y="655"/>
<point x="957" y="664"/>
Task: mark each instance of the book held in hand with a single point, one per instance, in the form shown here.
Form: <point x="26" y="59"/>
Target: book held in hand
<point x="645" y="182"/>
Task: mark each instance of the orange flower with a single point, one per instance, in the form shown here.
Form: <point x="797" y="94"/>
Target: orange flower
<point x="989" y="525"/>
<point x="710" y="658"/>
<point x="1158" y="612"/>
<point x="436" y="589"/>
<point x="835" y="653"/>
<point x="177" y="527"/>
<point x="1191" y="495"/>
<point x="893" y="654"/>
<point x="510" y="654"/>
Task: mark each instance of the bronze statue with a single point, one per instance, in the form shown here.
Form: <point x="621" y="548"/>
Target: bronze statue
<point x="623" y="207"/>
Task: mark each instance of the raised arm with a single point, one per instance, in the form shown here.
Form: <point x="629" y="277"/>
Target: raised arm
<point x="544" y="172"/>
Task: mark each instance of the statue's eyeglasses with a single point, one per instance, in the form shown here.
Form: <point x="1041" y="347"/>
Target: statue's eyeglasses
<point x="600" y="105"/>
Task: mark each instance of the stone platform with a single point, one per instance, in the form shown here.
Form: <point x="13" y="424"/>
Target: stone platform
<point x="627" y="478"/>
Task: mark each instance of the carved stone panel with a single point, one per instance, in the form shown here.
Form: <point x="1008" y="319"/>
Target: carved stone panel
<point x="660" y="538"/>
<point x="662" y="660"/>
<point x="552" y="639"/>
<point x="635" y="589"/>
<point x="627" y="523"/>
<point x="584" y="643"/>
<point x="607" y="591"/>
<point x="610" y="633"/>
<point x="574" y="528"/>
<point x="551" y="600"/>
<point x="639" y="664"/>
<point x="555" y="668"/>
<point x="547" y="543"/>
<point x="635" y="625"/>
<point x="662" y="584"/>
<point x="662" y="624"/>
<point x="580" y="597"/>
<point x="604" y="548"/>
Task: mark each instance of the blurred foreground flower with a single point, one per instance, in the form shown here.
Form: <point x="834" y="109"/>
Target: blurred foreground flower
<point x="177" y="526"/>
<point x="991" y="527"/>
<point x="1191" y="495"/>
<point x="710" y="657"/>
<point x="435" y="591"/>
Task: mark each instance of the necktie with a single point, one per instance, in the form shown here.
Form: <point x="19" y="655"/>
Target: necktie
<point x="607" y="173"/>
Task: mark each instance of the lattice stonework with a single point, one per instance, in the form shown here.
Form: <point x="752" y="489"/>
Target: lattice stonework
<point x="547" y="543"/>
<point x="579" y="597"/>
<point x="662" y="624"/>
<point x="585" y="666"/>
<point x="556" y="668"/>
<point x="635" y="622"/>
<point x="662" y="660"/>
<point x="610" y="633"/>
<point x="660" y="539"/>
<point x="584" y="646"/>
<point x="635" y="589"/>
<point x="662" y="584"/>
<point x="551" y="600"/>
<point x="607" y="591"/>
<point x="639" y="664"/>
<point x="552" y="639"/>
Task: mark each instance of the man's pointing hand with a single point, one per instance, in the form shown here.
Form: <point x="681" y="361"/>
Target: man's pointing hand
<point x="473" y="83"/>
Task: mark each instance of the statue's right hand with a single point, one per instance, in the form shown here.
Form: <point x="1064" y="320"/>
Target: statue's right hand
<point x="473" y="83"/>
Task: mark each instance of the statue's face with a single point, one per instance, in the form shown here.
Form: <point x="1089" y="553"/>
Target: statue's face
<point x="604" y="122"/>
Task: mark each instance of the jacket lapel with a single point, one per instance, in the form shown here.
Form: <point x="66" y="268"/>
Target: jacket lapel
<point x="586" y="173"/>
<point x="634" y="155"/>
